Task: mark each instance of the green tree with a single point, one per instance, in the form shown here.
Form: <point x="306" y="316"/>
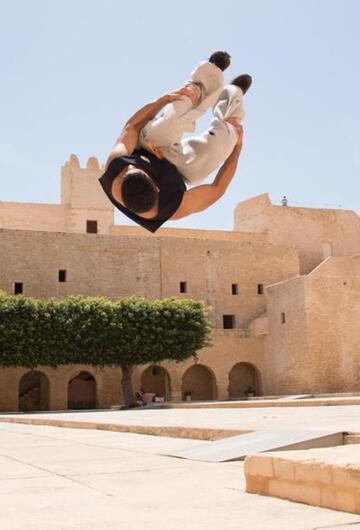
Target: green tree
<point x="98" y="332"/>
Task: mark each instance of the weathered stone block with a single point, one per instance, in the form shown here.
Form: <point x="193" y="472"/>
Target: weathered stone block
<point x="345" y="477"/>
<point x="337" y="499"/>
<point x="316" y="473"/>
<point x="259" y="465"/>
<point x="256" y="484"/>
<point x="295" y="491"/>
<point x="283" y="469"/>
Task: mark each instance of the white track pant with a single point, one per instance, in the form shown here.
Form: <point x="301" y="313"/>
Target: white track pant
<point x="197" y="156"/>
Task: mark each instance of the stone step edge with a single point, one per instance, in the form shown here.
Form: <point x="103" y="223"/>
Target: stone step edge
<point x="351" y="438"/>
<point x="194" y="433"/>
<point x="275" y="403"/>
<point x="314" y="483"/>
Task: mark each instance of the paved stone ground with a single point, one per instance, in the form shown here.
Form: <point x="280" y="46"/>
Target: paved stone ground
<point x="68" y="479"/>
<point x="346" y="418"/>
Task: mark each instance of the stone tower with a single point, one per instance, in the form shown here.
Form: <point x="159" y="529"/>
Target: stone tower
<point x="84" y="199"/>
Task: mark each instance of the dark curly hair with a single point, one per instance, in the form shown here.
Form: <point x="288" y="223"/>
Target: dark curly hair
<point x="138" y="191"/>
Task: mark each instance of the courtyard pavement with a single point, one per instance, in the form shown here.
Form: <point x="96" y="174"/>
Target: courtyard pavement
<point x="345" y="418"/>
<point x="68" y="479"/>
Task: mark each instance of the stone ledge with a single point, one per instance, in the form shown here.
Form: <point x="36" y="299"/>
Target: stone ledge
<point x="326" y="477"/>
<point x="258" y="403"/>
<point x="193" y="433"/>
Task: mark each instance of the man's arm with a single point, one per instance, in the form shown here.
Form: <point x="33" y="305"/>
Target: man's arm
<point x="201" y="197"/>
<point x="129" y="137"/>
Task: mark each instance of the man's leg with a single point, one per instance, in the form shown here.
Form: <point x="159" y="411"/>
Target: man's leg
<point x="198" y="156"/>
<point x="179" y="117"/>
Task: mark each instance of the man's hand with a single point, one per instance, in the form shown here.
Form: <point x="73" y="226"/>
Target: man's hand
<point x="129" y="137"/>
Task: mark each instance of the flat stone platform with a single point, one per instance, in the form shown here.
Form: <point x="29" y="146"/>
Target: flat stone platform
<point x="281" y="401"/>
<point x="73" y="479"/>
<point x="326" y="477"/>
<point x="171" y="422"/>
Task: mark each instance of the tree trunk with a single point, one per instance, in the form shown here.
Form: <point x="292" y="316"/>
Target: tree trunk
<point x="126" y="383"/>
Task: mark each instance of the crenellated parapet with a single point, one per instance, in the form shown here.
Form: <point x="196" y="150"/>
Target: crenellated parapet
<point x="73" y="166"/>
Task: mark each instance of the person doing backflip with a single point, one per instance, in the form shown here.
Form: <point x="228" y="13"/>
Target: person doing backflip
<point x="148" y="170"/>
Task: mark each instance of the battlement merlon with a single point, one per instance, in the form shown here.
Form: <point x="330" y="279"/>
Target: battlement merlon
<point x="73" y="164"/>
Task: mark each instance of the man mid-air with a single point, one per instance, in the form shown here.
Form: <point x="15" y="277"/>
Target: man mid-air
<point x="151" y="163"/>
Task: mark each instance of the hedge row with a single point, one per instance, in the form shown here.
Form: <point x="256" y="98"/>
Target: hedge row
<point x="96" y="331"/>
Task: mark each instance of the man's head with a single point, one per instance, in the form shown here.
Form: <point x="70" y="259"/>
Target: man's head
<point x="139" y="192"/>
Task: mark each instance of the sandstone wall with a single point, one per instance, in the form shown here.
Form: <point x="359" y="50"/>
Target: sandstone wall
<point x="315" y="232"/>
<point x="287" y="365"/>
<point x="27" y="216"/>
<point x="333" y="317"/>
<point x="117" y="266"/>
<point x="317" y="348"/>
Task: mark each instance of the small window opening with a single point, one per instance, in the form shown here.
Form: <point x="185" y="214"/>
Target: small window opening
<point x="283" y="318"/>
<point x="91" y="227"/>
<point x="327" y="249"/>
<point x="234" y="288"/>
<point x="229" y="321"/>
<point x="260" y="288"/>
<point x="183" y="287"/>
<point x="18" y="288"/>
<point x="154" y="371"/>
<point x="62" y="276"/>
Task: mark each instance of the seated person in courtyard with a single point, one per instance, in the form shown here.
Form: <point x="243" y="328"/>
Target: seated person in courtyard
<point x="148" y="171"/>
<point x="141" y="398"/>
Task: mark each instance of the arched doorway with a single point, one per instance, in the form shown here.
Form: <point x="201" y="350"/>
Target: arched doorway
<point x="33" y="391"/>
<point x="243" y="380"/>
<point x="156" y="380"/>
<point x="199" y="383"/>
<point x="82" y="391"/>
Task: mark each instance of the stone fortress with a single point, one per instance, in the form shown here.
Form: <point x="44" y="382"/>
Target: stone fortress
<point x="283" y="286"/>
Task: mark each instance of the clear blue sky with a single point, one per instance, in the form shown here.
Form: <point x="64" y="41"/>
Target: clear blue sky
<point x="72" y="71"/>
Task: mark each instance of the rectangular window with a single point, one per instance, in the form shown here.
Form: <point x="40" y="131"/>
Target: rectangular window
<point x="91" y="227"/>
<point x="260" y="288"/>
<point x="183" y="287"/>
<point x="18" y="288"/>
<point x="62" y="276"/>
<point x="234" y="288"/>
<point x="229" y="321"/>
<point x="283" y="318"/>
